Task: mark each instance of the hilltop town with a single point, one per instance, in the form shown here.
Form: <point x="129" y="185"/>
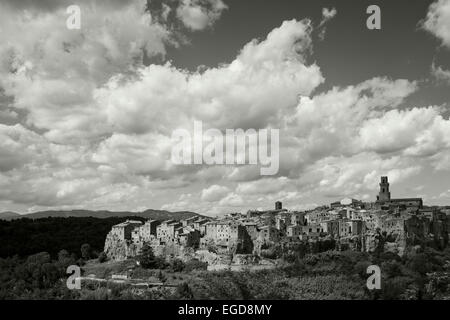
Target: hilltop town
<point x="387" y="224"/>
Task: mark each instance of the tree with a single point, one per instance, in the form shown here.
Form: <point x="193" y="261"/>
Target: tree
<point x="162" y="277"/>
<point x="195" y="264"/>
<point x="86" y="251"/>
<point x="184" y="292"/>
<point x="65" y="259"/>
<point x="147" y="259"/>
<point x="177" y="265"/>
<point x="63" y="255"/>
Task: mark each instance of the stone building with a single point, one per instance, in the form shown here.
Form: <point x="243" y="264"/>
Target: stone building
<point x="227" y="235"/>
<point x="293" y="231"/>
<point x="118" y="242"/>
<point x="331" y="227"/>
<point x="269" y="234"/>
<point x="282" y="220"/>
<point x="298" y="218"/>
<point x="384" y="198"/>
<point x="372" y="220"/>
<point x="348" y="228"/>
<point x="392" y="225"/>
<point x="123" y="230"/>
<point x="200" y="225"/>
<point x="311" y="231"/>
<point x="385" y="194"/>
<point x="165" y="232"/>
<point x="189" y="221"/>
<point x="188" y="237"/>
<point x="145" y="232"/>
<point x="252" y="229"/>
<point x="278" y="205"/>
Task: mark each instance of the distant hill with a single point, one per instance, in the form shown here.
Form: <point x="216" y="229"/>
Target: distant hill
<point x="148" y="214"/>
<point x="8" y="215"/>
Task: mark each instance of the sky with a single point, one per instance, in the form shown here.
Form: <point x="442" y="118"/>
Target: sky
<point x="87" y="115"/>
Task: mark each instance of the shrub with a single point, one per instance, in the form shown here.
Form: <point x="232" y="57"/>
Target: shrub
<point x="195" y="264"/>
<point x="184" y="292"/>
<point x="177" y="265"/>
<point x="86" y="251"/>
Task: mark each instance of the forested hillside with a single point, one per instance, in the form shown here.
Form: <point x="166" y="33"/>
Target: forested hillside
<point x="25" y="237"/>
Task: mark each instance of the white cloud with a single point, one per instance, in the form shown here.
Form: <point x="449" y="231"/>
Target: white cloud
<point x="232" y="200"/>
<point x="437" y="21"/>
<point x="445" y="194"/>
<point x="214" y="193"/>
<point x="262" y="186"/>
<point x="329" y="123"/>
<point x="346" y="176"/>
<point x="260" y="84"/>
<point x="52" y="71"/>
<point x="419" y="131"/>
<point x="440" y="74"/>
<point x="327" y="15"/>
<point x="93" y="124"/>
<point x="200" y="14"/>
<point x="64" y="151"/>
<point x="134" y="154"/>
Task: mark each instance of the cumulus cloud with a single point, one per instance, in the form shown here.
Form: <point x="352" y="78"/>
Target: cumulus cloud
<point x="329" y="123"/>
<point x="340" y="176"/>
<point x="214" y="193"/>
<point x="437" y="21"/>
<point x="232" y="200"/>
<point x="419" y="132"/>
<point x="200" y="14"/>
<point x="84" y="123"/>
<point x="57" y="147"/>
<point x="440" y="74"/>
<point x="52" y="71"/>
<point x="261" y="84"/>
<point x="262" y="186"/>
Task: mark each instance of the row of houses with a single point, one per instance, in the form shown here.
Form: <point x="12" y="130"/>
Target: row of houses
<point x="348" y="220"/>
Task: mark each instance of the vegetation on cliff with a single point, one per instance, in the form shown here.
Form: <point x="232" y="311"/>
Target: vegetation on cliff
<point x="422" y="273"/>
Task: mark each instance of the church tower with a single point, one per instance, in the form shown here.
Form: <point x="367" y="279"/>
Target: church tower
<point x="385" y="194"/>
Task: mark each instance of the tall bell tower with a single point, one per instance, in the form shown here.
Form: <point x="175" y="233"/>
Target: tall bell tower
<point x="385" y="194"/>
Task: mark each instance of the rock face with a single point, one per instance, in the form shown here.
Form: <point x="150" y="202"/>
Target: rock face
<point x="245" y="259"/>
<point x="212" y="258"/>
<point x="118" y="249"/>
<point x="393" y="242"/>
<point x="371" y="242"/>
